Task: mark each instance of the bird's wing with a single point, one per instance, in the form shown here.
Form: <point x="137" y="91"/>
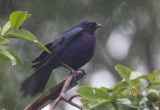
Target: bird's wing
<point x="44" y="53"/>
<point x="57" y="46"/>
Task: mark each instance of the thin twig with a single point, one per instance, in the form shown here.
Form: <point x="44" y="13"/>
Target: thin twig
<point x="72" y="103"/>
<point x="71" y="98"/>
<point x="64" y="89"/>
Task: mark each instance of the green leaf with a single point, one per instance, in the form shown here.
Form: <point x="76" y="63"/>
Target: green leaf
<point x="20" y="34"/>
<point x="6" y="55"/>
<point x="156" y="74"/>
<point x="95" y="104"/>
<point x="15" y="56"/>
<point x="9" y="50"/>
<point x="121" y="84"/>
<point x="131" y="97"/>
<point x="4" y="41"/>
<point x="135" y="75"/>
<point x="152" y="95"/>
<point x="140" y="88"/>
<point x="24" y="35"/>
<point x="124" y="72"/>
<point x="155" y="86"/>
<point x="148" y="77"/>
<point x="17" y="18"/>
<point x="42" y="46"/>
<point x="6" y="28"/>
<point x="129" y="107"/>
<point x="116" y="93"/>
<point x="124" y="101"/>
<point x="28" y="16"/>
<point x="108" y="106"/>
<point x="93" y="94"/>
<point x="135" y="82"/>
<point x="104" y="89"/>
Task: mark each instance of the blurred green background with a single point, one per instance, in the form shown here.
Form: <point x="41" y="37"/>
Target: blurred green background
<point x="130" y="36"/>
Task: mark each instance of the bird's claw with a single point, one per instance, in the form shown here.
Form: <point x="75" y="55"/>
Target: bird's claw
<point x="83" y="72"/>
<point x="74" y="74"/>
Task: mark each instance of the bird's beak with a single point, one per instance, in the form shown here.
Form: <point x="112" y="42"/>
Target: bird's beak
<point x="99" y="25"/>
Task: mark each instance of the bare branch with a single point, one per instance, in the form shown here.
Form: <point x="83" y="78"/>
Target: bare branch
<point x="64" y="89"/>
<point x="70" y="102"/>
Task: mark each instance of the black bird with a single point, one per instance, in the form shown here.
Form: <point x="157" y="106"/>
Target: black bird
<point x="72" y="49"/>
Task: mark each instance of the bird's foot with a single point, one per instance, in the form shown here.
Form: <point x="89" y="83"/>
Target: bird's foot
<point x="83" y="72"/>
<point x="74" y="74"/>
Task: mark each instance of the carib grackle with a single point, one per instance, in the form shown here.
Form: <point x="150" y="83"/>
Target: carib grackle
<point x="72" y="49"/>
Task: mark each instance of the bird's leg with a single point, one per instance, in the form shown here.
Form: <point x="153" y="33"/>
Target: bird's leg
<point x="72" y="70"/>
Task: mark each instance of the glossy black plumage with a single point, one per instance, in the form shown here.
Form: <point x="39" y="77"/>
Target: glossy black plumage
<point x="74" y="48"/>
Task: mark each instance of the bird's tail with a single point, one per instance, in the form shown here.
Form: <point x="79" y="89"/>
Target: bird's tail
<point x="36" y="82"/>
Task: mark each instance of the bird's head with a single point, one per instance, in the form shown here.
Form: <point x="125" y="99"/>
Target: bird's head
<point x="89" y="26"/>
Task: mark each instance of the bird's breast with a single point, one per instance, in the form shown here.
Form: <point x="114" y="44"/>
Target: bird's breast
<point x="79" y="51"/>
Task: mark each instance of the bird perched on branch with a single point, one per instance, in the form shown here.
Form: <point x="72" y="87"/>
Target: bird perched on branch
<point x="72" y="49"/>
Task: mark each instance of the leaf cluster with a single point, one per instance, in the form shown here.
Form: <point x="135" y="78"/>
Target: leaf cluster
<point x="129" y="94"/>
<point x="12" y="29"/>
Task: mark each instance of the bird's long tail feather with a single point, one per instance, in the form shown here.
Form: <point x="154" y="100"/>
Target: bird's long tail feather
<point x="36" y="82"/>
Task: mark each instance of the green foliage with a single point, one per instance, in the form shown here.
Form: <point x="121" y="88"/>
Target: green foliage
<point x="17" y="18"/>
<point x="10" y="51"/>
<point x="11" y="30"/>
<point x="3" y="41"/>
<point x="6" y="55"/>
<point x="128" y="94"/>
<point x="6" y="28"/>
<point x="20" y="34"/>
